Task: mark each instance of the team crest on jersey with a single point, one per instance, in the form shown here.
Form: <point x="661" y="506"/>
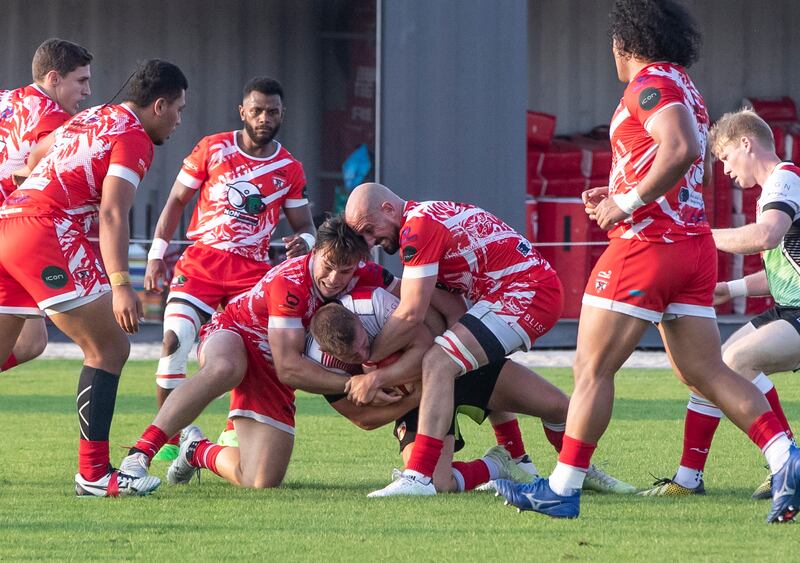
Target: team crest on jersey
<point x="279" y="183"/>
<point x="246" y="200"/>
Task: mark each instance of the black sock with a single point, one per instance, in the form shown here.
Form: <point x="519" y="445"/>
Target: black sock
<point x="97" y="393"/>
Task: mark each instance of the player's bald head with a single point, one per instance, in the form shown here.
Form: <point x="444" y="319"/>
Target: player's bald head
<point x="366" y="200"/>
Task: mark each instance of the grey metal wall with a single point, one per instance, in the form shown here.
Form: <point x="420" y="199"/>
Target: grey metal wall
<point x="219" y="44"/>
<point x="453" y="102"/>
<point x="749" y="48"/>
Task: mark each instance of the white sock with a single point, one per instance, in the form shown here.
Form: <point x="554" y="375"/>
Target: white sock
<point x="688" y="477"/>
<point x="566" y="480"/>
<point x="494" y="471"/>
<point x="459" y="480"/>
<point x="777" y="452"/>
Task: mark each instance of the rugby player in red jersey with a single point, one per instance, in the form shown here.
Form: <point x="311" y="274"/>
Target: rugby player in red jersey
<point x="61" y="74"/>
<point x="660" y="265"/>
<point x="91" y="170"/>
<point x="243" y="180"/>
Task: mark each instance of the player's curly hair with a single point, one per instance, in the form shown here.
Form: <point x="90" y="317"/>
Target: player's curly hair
<point x="341" y="244"/>
<point x="655" y="30"/>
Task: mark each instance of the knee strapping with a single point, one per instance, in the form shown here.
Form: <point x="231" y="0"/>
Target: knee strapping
<point x="184" y="322"/>
<point x="457" y="351"/>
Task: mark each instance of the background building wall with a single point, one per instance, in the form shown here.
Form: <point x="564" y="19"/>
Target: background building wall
<point x="453" y="102"/>
<point x="749" y="48"/>
<point x="218" y="44"/>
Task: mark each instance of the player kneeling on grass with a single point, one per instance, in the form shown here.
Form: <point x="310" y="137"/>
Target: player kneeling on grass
<point x="255" y="349"/>
<point x="342" y="335"/>
<point x="770" y="342"/>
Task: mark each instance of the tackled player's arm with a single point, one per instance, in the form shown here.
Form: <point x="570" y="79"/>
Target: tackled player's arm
<point x="297" y="371"/>
<point x="449" y="305"/>
<point x="755" y="284"/>
<point x="400" y="330"/>
<point x="362" y="389"/>
<point x="115" y="206"/>
<point x="765" y="234"/>
<point x="301" y="222"/>
<point x="370" y="417"/>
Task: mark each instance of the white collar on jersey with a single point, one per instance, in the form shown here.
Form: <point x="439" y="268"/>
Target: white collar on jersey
<point x="251" y="157"/>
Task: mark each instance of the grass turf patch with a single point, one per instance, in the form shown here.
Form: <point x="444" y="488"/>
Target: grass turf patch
<point x="322" y="510"/>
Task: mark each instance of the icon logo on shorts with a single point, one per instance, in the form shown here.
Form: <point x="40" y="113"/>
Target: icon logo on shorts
<point x="54" y="277"/>
<point x="649" y="98"/>
<point x="408" y="253"/>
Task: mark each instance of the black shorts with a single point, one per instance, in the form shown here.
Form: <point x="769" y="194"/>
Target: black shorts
<point x="789" y="314"/>
<point x="471" y="397"/>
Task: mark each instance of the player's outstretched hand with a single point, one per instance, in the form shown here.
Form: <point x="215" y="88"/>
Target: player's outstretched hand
<point x="721" y="293"/>
<point x="295" y="246"/>
<point x="127" y="307"/>
<point x="155" y="276"/>
<point x="361" y="389"/>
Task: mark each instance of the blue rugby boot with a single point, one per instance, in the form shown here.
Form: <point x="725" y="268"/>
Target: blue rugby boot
<point x="786" y="490"/>
<point x="539" y="497"/>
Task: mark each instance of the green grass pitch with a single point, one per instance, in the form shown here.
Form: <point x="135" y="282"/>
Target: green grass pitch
<point x="322" y="513"/>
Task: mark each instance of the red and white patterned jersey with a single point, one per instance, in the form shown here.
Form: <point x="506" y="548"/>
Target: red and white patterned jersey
<point x="98" y="142"/>
<point x="679" y="213"/>
<point x="27" y="115"/>
<point x="240" y="195"/>
<point x="286" y="296"/>
<point x="472" y="252"/>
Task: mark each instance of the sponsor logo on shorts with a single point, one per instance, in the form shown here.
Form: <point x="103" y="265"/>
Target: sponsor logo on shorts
<point x="601" y="281"/>
<point x="54" y="277"/>
<point x="649" y="98"/>
<point x="408" y="253"/>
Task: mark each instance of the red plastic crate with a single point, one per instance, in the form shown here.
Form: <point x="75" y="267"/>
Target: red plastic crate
<point x="540" y="129"/>
<point x="774" y="109"/>
<point x="560" y="160"/>
<point x="564" y="220"/>
<point x="597" y="156"/>
<point x="556" y="187"/>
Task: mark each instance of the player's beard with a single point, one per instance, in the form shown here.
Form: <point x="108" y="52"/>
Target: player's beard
<point x="391" y="244"/>
<point x="258" y="138"/>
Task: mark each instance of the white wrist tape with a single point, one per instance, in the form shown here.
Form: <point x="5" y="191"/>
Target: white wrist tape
<point x="737" y="288"/>
<point x="157" y="249"/>
<point x="628" y="202"/>
<point x="309" y="238"/>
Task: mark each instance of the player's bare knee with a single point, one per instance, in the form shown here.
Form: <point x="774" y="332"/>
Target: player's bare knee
<point x="169" y="344"/>
<point x="222" y="372"/>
